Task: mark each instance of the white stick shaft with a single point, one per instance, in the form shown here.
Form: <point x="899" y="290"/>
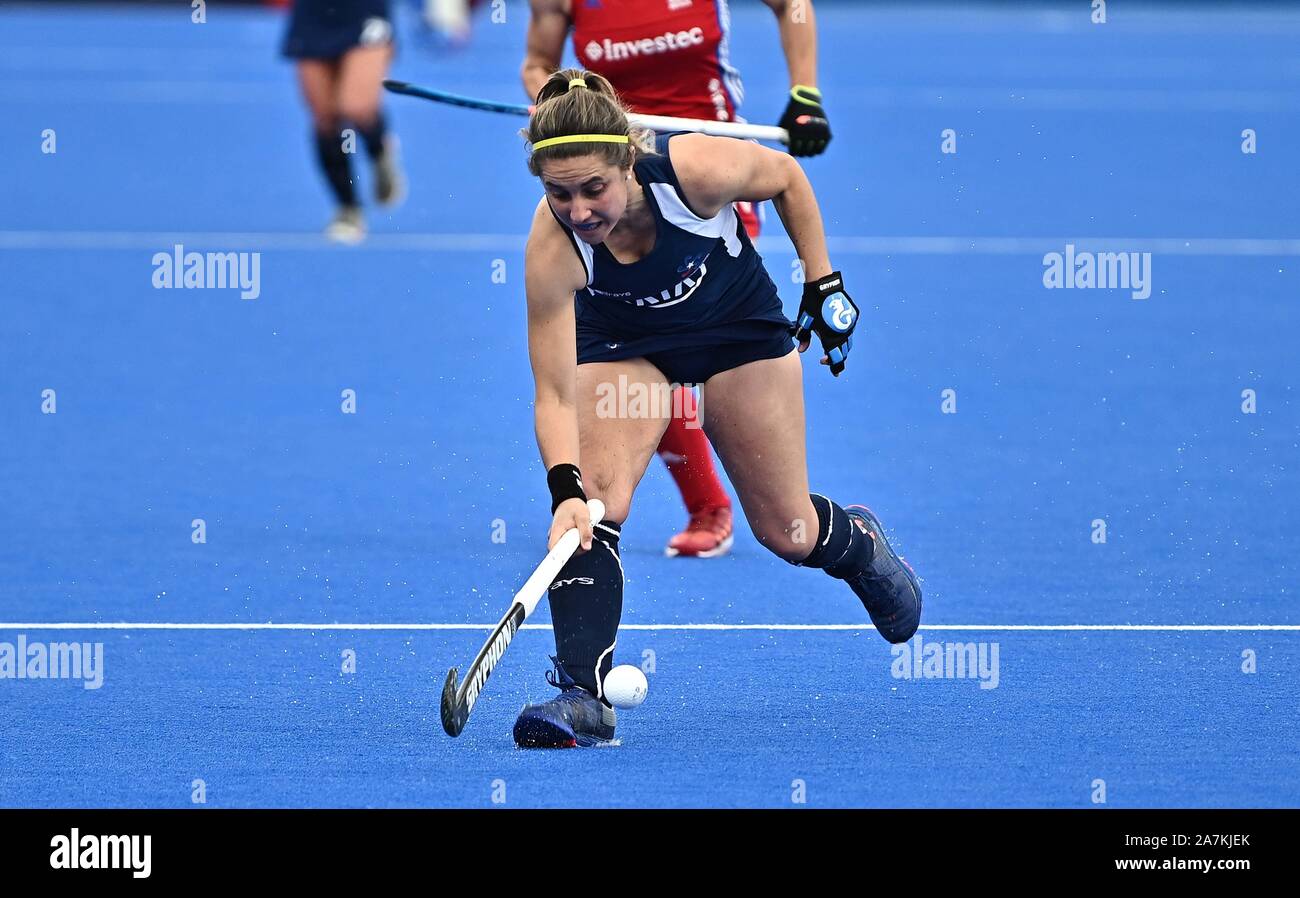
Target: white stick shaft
<point x="535" y="587"/>
<point x="743" y="130"/>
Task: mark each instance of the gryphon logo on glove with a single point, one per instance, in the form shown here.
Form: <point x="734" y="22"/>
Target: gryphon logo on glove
<point x="838" y="313"/>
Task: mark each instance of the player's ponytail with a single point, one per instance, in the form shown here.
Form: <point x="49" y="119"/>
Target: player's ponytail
<point x="575" y="102"/>
<point x="561" y="83"/>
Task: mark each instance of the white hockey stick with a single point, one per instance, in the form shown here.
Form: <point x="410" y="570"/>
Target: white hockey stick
<point x="458" y="698"/>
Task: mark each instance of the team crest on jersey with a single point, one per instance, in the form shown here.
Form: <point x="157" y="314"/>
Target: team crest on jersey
<point x="691" y="263"/>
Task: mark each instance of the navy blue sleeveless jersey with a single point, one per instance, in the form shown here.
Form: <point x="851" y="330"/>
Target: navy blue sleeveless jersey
<point x="326" y="29"/>
<point x="701" y="288"/>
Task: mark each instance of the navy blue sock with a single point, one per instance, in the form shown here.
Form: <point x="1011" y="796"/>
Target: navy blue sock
<point x="841" y="549"/>
<point x="373" y="135"/>
<point x="586" y="605"/>
<point x="334" y="163"/>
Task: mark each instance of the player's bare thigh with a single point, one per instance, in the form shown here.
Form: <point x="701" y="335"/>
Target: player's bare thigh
<point x="361" y="77"/>
<point x="617" y="434"/>
<point x="318" y="79"/>
<point x="754" y="417"/>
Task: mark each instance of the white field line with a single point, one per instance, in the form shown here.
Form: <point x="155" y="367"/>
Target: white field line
<point x="164" y="241"/>
<point x="1141" y="628"/>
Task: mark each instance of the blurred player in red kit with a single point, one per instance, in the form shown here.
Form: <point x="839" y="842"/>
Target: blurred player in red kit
<point x="672" y="57"/>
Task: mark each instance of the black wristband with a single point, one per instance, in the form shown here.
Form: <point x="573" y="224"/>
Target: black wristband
<point x="564" y="482"/>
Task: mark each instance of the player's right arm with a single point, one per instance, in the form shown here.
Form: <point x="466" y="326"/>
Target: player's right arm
<point x="552" y="274"/>
<point x="548" y="26"/>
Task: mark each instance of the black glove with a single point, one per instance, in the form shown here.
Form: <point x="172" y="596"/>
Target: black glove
<point x="829" y="312"/>
<point x="806" y="121"/>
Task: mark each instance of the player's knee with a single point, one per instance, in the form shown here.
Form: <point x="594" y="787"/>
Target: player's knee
<point x="326" y="124"/>
<point x="361" y="113"/>
<point x="617" y="505"/>
<point x="616" y="496"/>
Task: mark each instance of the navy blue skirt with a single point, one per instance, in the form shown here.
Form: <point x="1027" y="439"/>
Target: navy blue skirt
<point x="326" y="29"/>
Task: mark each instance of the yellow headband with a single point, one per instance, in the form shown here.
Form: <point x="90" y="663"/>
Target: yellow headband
<point x="577" y="82"/>
<point x="580" y="138"/>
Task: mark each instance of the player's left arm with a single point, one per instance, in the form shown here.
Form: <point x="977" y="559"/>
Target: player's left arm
<point x="804" y="116"/>
<point x="717" y="171"/>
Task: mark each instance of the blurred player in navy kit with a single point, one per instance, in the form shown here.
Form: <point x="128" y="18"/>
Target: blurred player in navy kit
<point x="343" y="49"/>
